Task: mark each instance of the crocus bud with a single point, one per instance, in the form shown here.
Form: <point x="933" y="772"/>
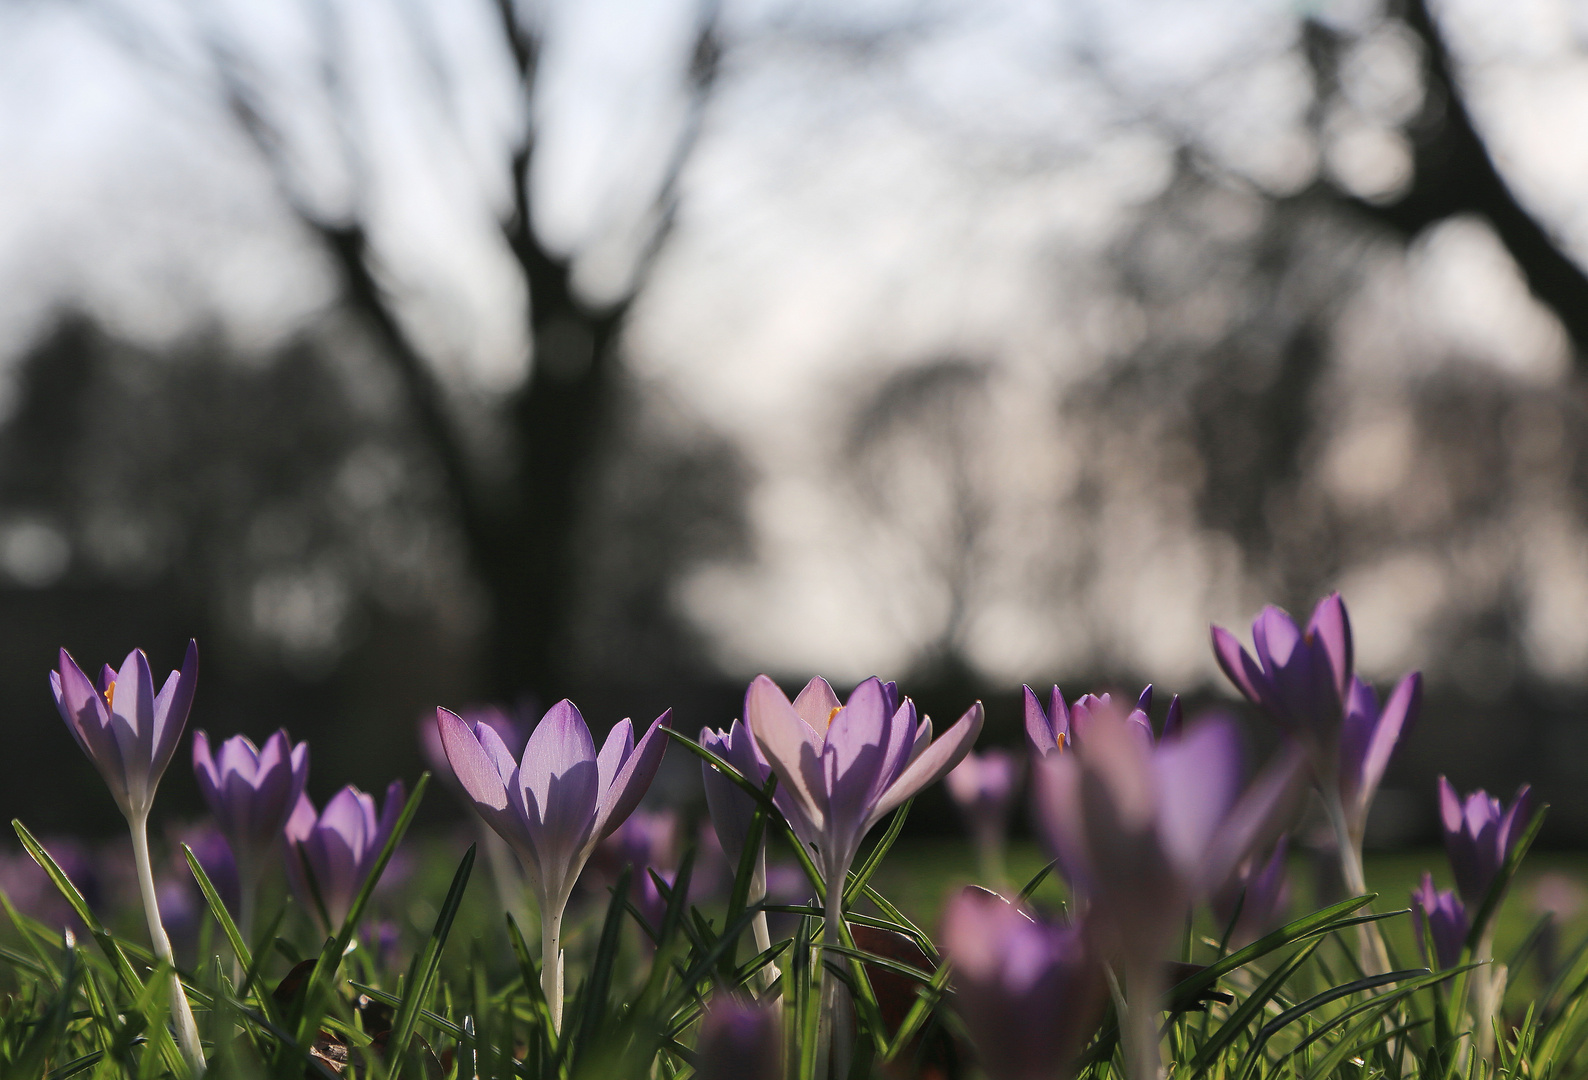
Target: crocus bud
<point x="1446" y="919"/>
<point x="252" y="792"/>
<point x="1031" y="993"/>
<point x="127" y="730"/>
<point x="1479" y="835"/>
<point x="731" y="808"/>
<point x="739" y="1041"/>
<point x="339" y="845"/>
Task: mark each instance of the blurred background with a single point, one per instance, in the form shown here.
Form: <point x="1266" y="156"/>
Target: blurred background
<point x="409" y="352"/>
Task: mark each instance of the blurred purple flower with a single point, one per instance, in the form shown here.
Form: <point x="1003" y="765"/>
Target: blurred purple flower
<point x="1144" y="831"/>
<point x="380" y="940"/>
<point x="844" y="768"/>
<point x="252" y="792"/>
<point x="1446" y="917"/>
<point x="647" y="841"/>
<point x="983" y="786"/>
<point x="1260" y="892"/>
<point x="1300" y="678"/>
<point x="556" y="804"/>
<point x="127" y="730"/>
<point x="739" y="1041"/>
<point x="1030" y="993"/>
<point x="1479" y="835"/>
<point x="214" y="855"/>
<point x="340" y="845"/>
<point x="31" y="891"/>
<point x="1050" y="729"/>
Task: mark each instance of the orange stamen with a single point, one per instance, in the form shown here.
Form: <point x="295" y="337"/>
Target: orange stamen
<point x="836" y="710"/>
<point x="110" y="695"/>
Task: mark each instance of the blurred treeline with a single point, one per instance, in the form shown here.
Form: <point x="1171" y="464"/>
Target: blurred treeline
<point x="355" y="537"/>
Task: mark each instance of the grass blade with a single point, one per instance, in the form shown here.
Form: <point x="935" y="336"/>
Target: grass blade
<point x="422" y="972"/>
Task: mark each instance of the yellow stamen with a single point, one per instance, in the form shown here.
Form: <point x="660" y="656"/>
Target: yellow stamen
<point x="110" y="695"/>
<point x="836" y="710"/>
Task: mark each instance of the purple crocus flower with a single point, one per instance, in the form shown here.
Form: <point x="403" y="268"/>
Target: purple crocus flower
<point x="556" y="804"/>
<point x="1446" y="917"/>
<point x="739" y="1040"/>
<point x="1300" y="678"/>
<point x="339" y="845"/>
<point x="983" y="786"/>
<point x="510" y="727"/>
<point x="847" y="767"/>
<point x="1257" y="897"/>
<point x="844" y="768"/>
<point x="731" y="808"/>
<point x="1030" y="993"/>
<point x="127" y="730"/>
<point x="1049" y="729"/>
<point x="1144" y="831"/>
<point x="1479" y="835"/>
<point x="251" y="791"/>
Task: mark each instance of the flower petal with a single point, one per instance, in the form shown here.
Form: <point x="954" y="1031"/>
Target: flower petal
<point x="614" y="752"/>
<point x="132" y="724"/>
<point x="1237" y="664"/>
<point x="1198" y="778"/>
<point x="171" y="711"/>
<point x="1262" y="813"/>
<point x="933" y="763"/>
<point x="791" y="748"/>
<point x="815" y="703"/>
<point x="1039" y="729"/>
<point x="1331" y="625"/>
<point x="1394" y="720"/>
<point x="627" y="788"/>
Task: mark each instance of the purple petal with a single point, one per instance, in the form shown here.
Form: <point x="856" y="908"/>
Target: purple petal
<point x="474" y="768"/>
<point x="791" y="748"/>
<point x="132" y="721"/>
<point x="1262" y="813"/>
<point x="204" y="770"/>
<point x="816" y="703"/>
<point x="1174" y="719"/>
<point x="1237" y="665"/>
<point x="933" y="763"/>
<point x="620" y="798"/>
<point x="1331" y="625"/>
<point x="614" y="752"/>
<point x="171" y="709"/>
<point x="1039" y="729"/>
<point x="1394" y="720"/>
<point x="857" y="742"/>
<point x="1198" y="778"/>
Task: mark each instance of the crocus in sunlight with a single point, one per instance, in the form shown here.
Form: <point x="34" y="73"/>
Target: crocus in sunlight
<point x="1446" y="919"/>
<point x="845" y="768"/>
<point x="739" y="1040"/>
<point x="1031" y="992"/>
<point x="983" y="786"/>
<point x="1145" y="830"/>
<point x="1256" y="898"/>
<point x="338" y="846"/>
<point x="1304" y="680"/>
<point x="1051" y="727"/>
<point x="555" y="804"/>
<point x="252" y="792"/>
<point x="1479" y="835"/>
<point x="129" y="732"/>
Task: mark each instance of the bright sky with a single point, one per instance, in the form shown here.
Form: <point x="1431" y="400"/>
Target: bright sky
<point x="877" y="184"/>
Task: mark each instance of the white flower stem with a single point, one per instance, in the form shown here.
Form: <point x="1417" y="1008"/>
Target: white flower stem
<point x="828" y="993"/>
<point x="1375" y="960"/>
<point x="758" y="925"/>
<point x="186" y="1029"/>
<point x="551" y="957"/>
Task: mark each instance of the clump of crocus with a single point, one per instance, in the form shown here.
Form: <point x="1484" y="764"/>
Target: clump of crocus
<point x="252" y="792"/>
<point x="129" y="732"/>
<point x="984" y="786"/>
<point x="844" y="768"/>
<point x="1050" y="728"/>
<point x="1031" y="993"/>
<point x="1145" y="830"/>
<point x="739" y="1040"/>
<point x="1480" y="833"/>
<point x="1256" y="899"/>
<point x="330" y="853"/>
<point x="555" y="805"/>
<point x="1304" y="680"/>
<point x="1446" y="919"/>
